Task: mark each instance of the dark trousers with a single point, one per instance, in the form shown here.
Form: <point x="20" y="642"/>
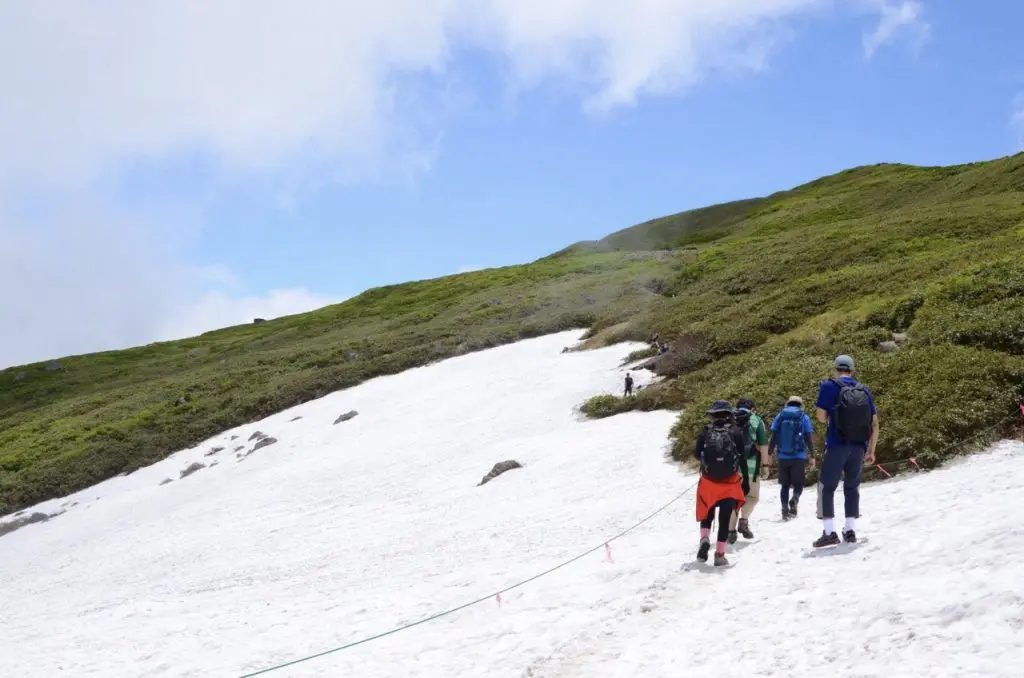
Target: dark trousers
<point x="841" y="461"/>
<point x="791" y="477"/>
<point x="725" y="509"/>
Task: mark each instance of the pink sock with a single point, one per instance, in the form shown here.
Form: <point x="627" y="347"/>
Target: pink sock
<point x="704" y="532"/>
<point x="720" y="548"/>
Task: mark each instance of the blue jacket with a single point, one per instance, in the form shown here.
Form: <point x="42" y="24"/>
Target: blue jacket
<point x="805" y="427"/>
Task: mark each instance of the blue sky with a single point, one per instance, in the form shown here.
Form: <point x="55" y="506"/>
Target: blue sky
<point x="206" y="167"/>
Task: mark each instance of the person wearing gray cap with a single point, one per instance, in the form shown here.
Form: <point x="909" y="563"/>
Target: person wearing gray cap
<point x="848" y="408"/>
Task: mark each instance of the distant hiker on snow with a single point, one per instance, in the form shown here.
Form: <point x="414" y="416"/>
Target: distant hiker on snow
<point x="755" y="453"/>
<point x="793" y="440"/>
<point x="849" y="409"/>
<point x="629" y="385"/>
<point x="724" y="479"/>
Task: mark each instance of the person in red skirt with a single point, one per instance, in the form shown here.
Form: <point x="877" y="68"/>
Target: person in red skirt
<point x="724" y="481"/>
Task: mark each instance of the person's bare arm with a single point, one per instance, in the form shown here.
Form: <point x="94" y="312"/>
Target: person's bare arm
<point x="870" y="458"/>
<point x="810" y="450"/>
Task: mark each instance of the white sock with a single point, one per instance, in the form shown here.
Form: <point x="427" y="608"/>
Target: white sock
<point x="829" y="526"/>
<point x="849" y="523"/>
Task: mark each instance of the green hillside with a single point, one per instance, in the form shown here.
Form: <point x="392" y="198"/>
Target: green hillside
<point x="756" y="296"/>
<point x="841" y="264"/>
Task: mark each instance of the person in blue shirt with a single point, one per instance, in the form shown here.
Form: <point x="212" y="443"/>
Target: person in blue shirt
<point x="793" y="440"/>
<point x="848" y="408"/>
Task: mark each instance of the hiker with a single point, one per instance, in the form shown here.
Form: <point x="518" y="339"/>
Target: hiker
<point x="724" y="480"/>
<point x="793" y="441"/>
<point x="663" y="348"/>
<point x="849" y="409"/>
<point x="656" y="339"/>
<point x="755" y="453"/>
<point x="629" y="385"/>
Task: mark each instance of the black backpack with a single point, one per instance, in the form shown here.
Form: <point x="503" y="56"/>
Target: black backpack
<point x="719" y="460"/>
<point x="853" y="413"/>
<point x="743" y="423"/>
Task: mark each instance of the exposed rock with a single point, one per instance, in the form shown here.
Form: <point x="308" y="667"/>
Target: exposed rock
<point x="263" y="442"/>
<point x="295" y="418"/>
<point x="234" y="437"/>
<point x="181" y="401"/>
<point x="20" y="377"/>
<point x="165" y="481"/>
<point x="213" y="451"/>
<point x="351" y="414"/>
<point x="192" y="468"/>
<point x="259" y="435"/>
<point x="900" y="337"/>
<point x="54" y="366"/>
<point x="257" y="321"/>
<point x="888" y="346"/>
<point x="240" y="447"/>
<point x="351" y="355"/>
<point x="18" y="523"/>
<point x="498" y="469"/>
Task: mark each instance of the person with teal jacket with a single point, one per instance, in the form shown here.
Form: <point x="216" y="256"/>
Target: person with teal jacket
<point x="755" y="454"/>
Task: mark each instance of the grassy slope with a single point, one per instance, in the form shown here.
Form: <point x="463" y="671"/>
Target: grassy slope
<point x="837" y="266"/>
<point x="676" y="230"/>
<point x="758" y="295"/>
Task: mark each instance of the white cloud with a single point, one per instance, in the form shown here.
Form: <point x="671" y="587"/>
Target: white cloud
<point x="84" y="280"/>
<point x="897" y="18"/>
<point x="258" y="84"/>
<point x="619" y="51"/>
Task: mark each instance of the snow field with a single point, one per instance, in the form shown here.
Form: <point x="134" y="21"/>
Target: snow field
<point x="336" y="532"/>
<point x="342" y="531"/>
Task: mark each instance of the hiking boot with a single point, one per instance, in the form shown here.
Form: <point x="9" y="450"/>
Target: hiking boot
<point x="732" y="537"/>
<point x="786" y="515"/>
<point x="702" y="552"/>
<point x="826" y="540"/>
<point x="792" y="507"/>
<point x="849" y="537"/>
<point x="721" y="560"/>
<point x="744" y="529"/>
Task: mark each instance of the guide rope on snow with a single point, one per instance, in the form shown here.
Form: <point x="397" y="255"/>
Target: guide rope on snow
<point x="605" y="545"/>
<point x="495" y="595"/>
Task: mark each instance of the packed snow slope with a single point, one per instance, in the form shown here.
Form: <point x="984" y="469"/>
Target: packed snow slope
<point x="339" y="531"/>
